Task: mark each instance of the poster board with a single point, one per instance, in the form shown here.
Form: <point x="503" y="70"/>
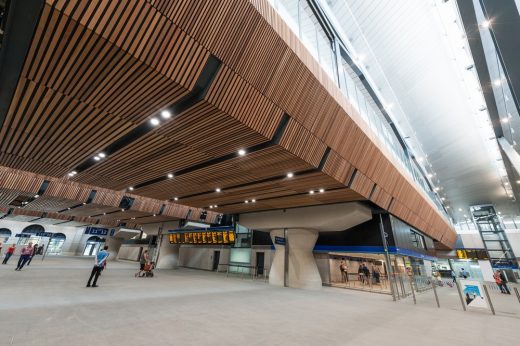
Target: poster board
<point x="473" y="294"/>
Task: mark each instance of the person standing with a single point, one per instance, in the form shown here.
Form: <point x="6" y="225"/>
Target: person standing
<point x="498" y="281"/>
<point x="35" y="250"/>
<point x="25" y="255"/>
<point x="99" y="264"/>
<point x="143" y="261"/>
<point x="366" y="271"/>
<point x="9" y="253"/>
<point x="504" y="282"/>
<point x="343" y="269"/>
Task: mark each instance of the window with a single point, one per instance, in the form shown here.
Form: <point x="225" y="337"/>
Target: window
<point x="417" y="240"/>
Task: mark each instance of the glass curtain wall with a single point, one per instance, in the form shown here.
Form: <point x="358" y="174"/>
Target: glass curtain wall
<point x="305" y="23"/>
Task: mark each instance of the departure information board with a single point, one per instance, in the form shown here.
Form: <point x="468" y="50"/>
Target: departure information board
<point x="203" y="236"/>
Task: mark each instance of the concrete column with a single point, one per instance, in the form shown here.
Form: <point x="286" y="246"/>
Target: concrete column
<point x="114" y="244"/>
<point x="303" y="271"/>
<point x="168" y="255"/>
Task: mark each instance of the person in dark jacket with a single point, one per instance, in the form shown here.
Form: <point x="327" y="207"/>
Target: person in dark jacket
<point x="504" y="282"/>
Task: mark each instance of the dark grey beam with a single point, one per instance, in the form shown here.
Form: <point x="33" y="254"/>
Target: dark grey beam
<point x="505" y="31"/>
<point x="471" y="26"/>
<point x="22" y="19"/>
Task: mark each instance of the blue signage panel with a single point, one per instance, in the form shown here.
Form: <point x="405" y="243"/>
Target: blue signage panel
<point x="23" y="235"/>
<point x="96" y="231"/>
<point x="44" y="234"/>
<point x="279" y="240"/>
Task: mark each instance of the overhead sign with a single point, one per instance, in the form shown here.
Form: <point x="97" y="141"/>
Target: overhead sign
<point x="96" y="230"/>
<point x="23" y="235"/>
<point x="44" y="234"/>
<point x="279" y="240"/>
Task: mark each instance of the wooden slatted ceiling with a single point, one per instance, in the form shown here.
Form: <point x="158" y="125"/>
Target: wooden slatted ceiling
<point x="63" y="194"/>
<point x="75" y="84"/>
<point x="292" y="81"/>
<point x="269" y="162"/>
<point x="268" y="190"/>
<point x="197" y="135"/>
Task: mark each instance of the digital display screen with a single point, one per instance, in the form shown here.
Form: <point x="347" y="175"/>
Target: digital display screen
<point x="472" y="254"/>
<point x="222" y="237"/>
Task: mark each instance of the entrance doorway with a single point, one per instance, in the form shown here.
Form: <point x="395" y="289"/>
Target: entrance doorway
<point x="260" y="263"/>
<point x="92" y="246"/>
<point x="216" y="260"/>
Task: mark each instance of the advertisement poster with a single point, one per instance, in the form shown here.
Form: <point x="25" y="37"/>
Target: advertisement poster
<point x="473" y="294"/>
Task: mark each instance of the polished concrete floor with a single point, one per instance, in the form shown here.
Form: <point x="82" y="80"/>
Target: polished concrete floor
<point x="48" y="304"/>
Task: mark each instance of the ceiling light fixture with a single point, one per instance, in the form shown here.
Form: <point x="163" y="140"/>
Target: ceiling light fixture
<point x="486" y="23"/>
<point x="322" y="190"/>
<point x="170" y="175"/>
<point x="218" y="189"/>
<point x="505" y="120"/>
<point x="211" y="207"/>
<point x="36" y="196"/>
<point x="104" y="213"/>
<point x="497" y="82"/>
<point x="253" y="200"/>
<point x="290" y="175"/>
<point x="84" y="203"/>
<point x="131" y="188"/>
<point x="122" y="210"/>
<point x="176" y="198"/>
<point x="154" y="215"/>
<point x="71" y="175"/>
<point x="311" y="192"/>
<point x="166" y="114"/>
<point x="102" y="155"/>
<point x="241" y="152"/>
<point x="246" y="201"/>
<point x="154" y="121"/>
<point x="215" y="206"/>
<point x="97" y="158"/>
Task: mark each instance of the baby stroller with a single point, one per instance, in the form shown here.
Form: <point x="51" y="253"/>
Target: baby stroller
<point x="147" y="271"/>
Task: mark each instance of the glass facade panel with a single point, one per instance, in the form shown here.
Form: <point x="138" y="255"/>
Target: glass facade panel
<point x="303" y="20"/>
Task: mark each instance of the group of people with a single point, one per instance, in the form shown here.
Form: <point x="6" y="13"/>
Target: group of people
<point x="26" y="254"/>
<point x="501" y="281"/>
<point x="364" y="273"/>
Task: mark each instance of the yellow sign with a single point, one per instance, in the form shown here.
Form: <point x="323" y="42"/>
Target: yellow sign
<point x="225" y="237"/>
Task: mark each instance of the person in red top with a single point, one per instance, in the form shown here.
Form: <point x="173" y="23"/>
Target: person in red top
<point x="9" y="253"/>
<point x="25" y="255"/>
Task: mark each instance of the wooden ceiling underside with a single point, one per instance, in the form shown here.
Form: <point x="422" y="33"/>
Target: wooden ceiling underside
<point x="60" y="201"/>
<point x="97" y="71"/>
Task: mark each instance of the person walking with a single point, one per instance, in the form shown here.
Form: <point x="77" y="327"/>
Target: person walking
<point x="145" y="259"/>
<point x="25" y="255"/>
<point x="504" y="282"/>
<point x="99" y="264"/>
<point x="9" y="253"/>
<point x="498" y="281"/>
<point x="35" y="250"/>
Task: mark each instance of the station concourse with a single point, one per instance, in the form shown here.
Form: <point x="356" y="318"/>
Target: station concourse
<point x="287" y="172"/>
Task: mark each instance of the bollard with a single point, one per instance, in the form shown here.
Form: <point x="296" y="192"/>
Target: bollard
<point x="489" y="299"/>
<point x="413" y="291"/>
<point x="435" y="293"/>
<point x="460" y="295"/>
<point x="517" y="295"/>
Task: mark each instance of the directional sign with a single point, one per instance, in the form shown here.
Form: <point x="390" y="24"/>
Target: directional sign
<point x="44" y="234"/>
<point x="23" y="235"/>
<point x="279" y="240"/>
<point x="96" y="231"/>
